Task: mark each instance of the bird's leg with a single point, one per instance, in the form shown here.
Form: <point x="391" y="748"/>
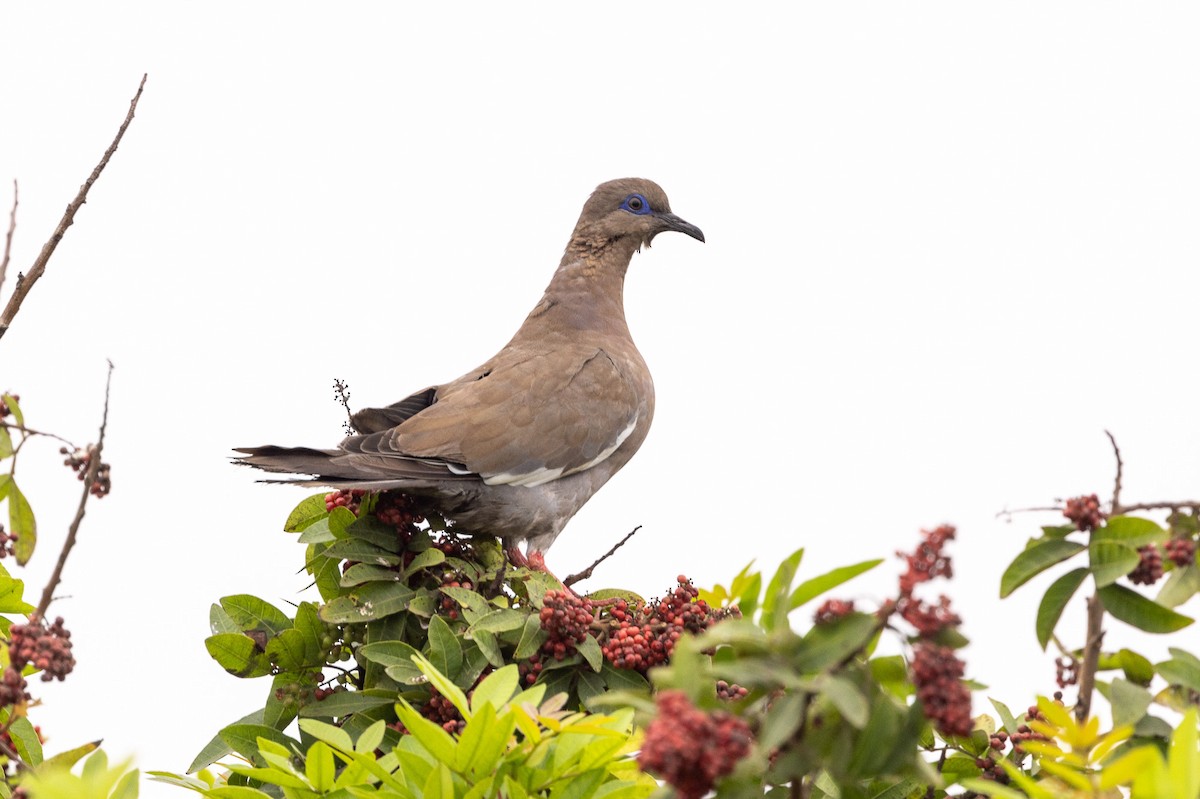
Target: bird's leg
<point x="517" y="558"/>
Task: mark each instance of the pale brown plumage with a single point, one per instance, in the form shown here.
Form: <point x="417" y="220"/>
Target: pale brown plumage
<point x="515" y="447"/>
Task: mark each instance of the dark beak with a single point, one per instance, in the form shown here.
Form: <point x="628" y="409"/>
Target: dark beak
<point x="671" y="222"/>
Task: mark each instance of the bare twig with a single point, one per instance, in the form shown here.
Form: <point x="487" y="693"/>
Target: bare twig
<point x="73" y="532"/>
<point x="586" y="573"/>
<point x="341" y="392"/>
<point x="39" y="266"/>
<point x="1091" y="657"/>
<point x="1176" y="505"/>
<point x="1008" y="513"/>
<point x="29" y="431"/>
<point x="1116" y="497"/>
<point x="12" y="226"/>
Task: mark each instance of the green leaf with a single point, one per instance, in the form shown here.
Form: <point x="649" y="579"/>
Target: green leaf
<point x="499" y="621"/>
<point x="371" y="601"/>
<point x="488" y="646"/>
<point x="616" y="593"/>
<point x="292" y="650"/>
<point x="423" y="560"/>
<point x="1134" y="609"/>
<point x="465" y="597"/>
<point x="590" y="650"/>
<point x="252" y="613"/>
<point x="496" y="688"/>
<point x="1137" y="668"/>
<point x="21" y="523"/>
<point x="25" y="737"/>
<point x="243" y="739"/>
<point x="319" y="767"/>
<point x="1182" y="669"/>
<point x="782" y="720"/>
<point x="775" y="602"/>
<point x="445" y="650"/>
<point x="328" y="733"/>
<point x="1181" y="585"/>
<point x="1006" y="716"/>
<point x="810" y="589"/>
<point x="532" y="638"/>
<point x="1035" y="560"/>
<point x="1132" y="531"/>
<point x="12" y="596"/>
<point x="238" y="654"/>
<point x="15" y="408"/>
<point x="343" y="703"/>
<point x="340" y="518"/>
<point x="431" y="736"/>
<point x="6" y="445"/>
<point x="1111" y="560"/>
<point x="828" y="644"/>
<point x="359" y="551"/>
<point x="308" y="511"/>
<point x="1129" y="702"/>
<point x="317" y="533"/>
<point x="848" y="699"/>
<point x="1055" y="600"/>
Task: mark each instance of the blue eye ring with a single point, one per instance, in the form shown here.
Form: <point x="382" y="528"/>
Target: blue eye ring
<point x="636" y="204"/>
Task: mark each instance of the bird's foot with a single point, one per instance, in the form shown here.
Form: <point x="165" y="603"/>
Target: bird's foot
<point x="517" y="558"/>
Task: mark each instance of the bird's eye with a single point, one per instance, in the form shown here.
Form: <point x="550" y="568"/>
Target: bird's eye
<point x="636" y="204"/>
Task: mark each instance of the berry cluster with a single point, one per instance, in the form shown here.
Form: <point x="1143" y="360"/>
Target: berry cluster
<point x="833" y="609"/>
<point x="4" y="409"/>
<point x="1025" y="732"/>
<point x="691" y="749"/>
<point x="927" y="618"/>
<point x="730" y="692"/>
<point x="1084" y="512"/>
<point x="1066" y="671"/>
<point x="566" y="618"/>
<point x="441" y="710"/>
<point x="349" y="498"/>
<point x="991" y="769"/>
<point x="47" y="648"/>
<point x="398" y="510"/>
<point x="1181" y="551"/>
<point x="936" y="670"/>
<point x="642" y="637"/>
<point x="13" y="688"/>
<point x="79" y="460"/>
<point x="1149" y="569"/>
<point x="8" y="542"/>
<point x="937" y="674"/>
<point x="928" y="561"/>
<point x="448" y="605"/>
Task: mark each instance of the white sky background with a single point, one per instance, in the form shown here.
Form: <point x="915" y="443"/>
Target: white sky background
<point x="947" y="247"/>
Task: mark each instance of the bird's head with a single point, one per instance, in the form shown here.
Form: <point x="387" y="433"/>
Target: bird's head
<point x="632" y="210"/>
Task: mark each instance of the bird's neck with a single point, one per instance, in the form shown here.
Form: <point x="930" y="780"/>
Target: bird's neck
<point x="587" y="292"/>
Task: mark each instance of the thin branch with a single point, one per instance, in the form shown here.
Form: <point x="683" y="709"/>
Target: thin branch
<point x="12" y="226"/>
<point x="25" y="282"/>
<point x="1176" y="505"/>
<point x="1091" y="657"/>
<point x="73" y="532"/>
<point x="1008" y="513"/>
<point x="1116" y="497"/>
<point x="586" y="573"/>
<point x="29" y="431"/>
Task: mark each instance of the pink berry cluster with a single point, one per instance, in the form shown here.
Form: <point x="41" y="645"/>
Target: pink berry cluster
<point x="1181" y="551"/>
<point x="691" y="749"/>
<point x="937" y="671"/>
<point x="79" y="459"/>
<point x="566" y="619"/>
<point x="1150" y="568"/>
<point x="48" y="648"/>
<point x="833" y="609"/>
<point x="640" y="638"/>
<point x="398" y="510"/>
<point x="348" y="498"/>
<point x="8" y="543"/>
<point x="730" y="692"/>
<point x="1084" y="512"/>
<point x="442" y="711"/>
<point x="1066" y="671"/>
<point x="447" y="604"/>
